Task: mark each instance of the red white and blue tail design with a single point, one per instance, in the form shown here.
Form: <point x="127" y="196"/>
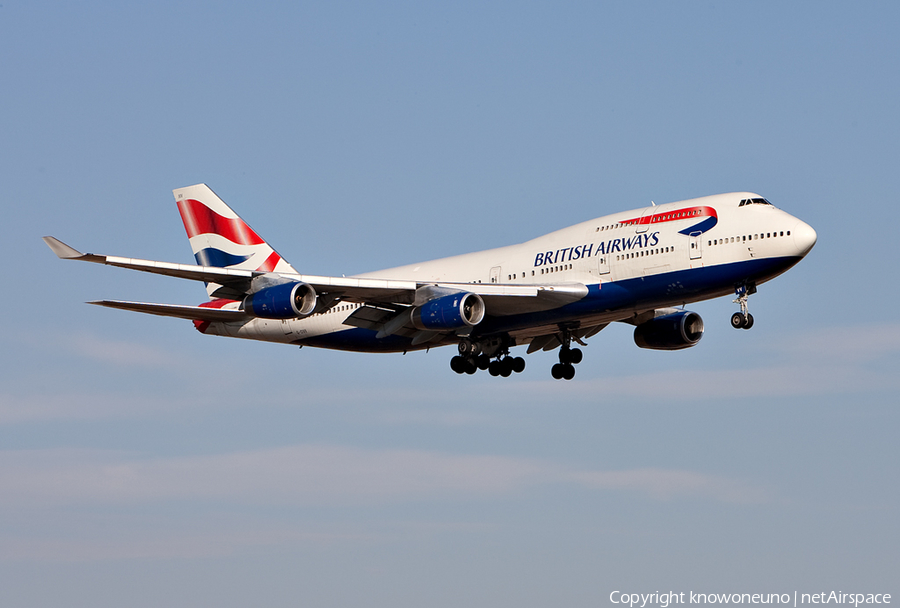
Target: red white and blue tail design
<point x="220" y="238"/>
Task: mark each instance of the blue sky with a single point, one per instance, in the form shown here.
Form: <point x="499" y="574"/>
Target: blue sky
<point x="143" y="464"/>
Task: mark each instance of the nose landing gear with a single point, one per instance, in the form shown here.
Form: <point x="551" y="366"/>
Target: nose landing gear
<point x="743" y="319"/>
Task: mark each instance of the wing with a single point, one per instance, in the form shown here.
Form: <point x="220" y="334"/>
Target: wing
<point x="387" y="300"/>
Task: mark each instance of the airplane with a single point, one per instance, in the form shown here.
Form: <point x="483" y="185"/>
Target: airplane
<point x="639" y="267"/>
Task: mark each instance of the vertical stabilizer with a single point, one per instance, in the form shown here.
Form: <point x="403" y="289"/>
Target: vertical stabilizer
<point x="220" y="238"/>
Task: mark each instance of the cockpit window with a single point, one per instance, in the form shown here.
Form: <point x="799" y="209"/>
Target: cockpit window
<point x="754" y="201"/>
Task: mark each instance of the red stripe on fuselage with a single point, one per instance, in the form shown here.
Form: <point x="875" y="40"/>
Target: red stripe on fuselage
<point x="673" y="216"/>
<point x="200" y="219"/>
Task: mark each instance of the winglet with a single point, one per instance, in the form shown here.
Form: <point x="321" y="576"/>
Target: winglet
<point x="63" y="251"/>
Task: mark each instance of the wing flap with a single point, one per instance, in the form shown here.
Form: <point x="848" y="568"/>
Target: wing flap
<point x="369" y="317"/>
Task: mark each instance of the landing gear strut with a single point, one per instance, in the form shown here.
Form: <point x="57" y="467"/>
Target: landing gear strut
<point x="743" y="319"/>
<point x="568" y="358"/>
<point x="474" y="356"/>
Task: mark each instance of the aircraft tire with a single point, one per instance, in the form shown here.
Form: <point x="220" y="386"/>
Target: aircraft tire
<point x="749" y="322"/>
<point x="568" y="371"/>
<point x="482" y="361"/>
<point x="557" y="371"/>
<point x="575" y="356"/>
<point x="737" y="320"/>
<point x="471" y="368"/>
<point x="506" y="368"/>
<point x="494" y="368"/>
<point x="458" y="364"/>
<point x="518" y="365"/>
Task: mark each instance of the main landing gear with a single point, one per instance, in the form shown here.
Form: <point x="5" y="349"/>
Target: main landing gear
<point x="568" y="358"/>
<point x="743" y="319"/>
<point x="493" y="357"/>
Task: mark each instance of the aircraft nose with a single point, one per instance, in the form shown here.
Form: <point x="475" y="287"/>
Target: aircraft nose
<point x="804" y="237"/>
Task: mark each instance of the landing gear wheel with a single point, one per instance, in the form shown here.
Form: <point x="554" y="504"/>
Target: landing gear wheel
<point x="518" y="365"/>
<point x="568" y="371"/>
<point x="506" y="367"/>
<point x="494" y="368"/>
<point x="575" y="356"/>
<point x="458" y="364"/>
<point x="471" y="368"/>
<point x="557" y="371"/>
<point x="743" y="319"/>
<point x="482" y="361"/>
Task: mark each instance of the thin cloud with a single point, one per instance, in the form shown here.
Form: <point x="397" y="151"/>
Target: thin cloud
<point x="833" y="360"/>
<point x="319" y="475"/>
<point x="44" y="407"/>
<point x="667" y="484"/>
<point x="218" y="539"/>
<point x="120" y="352"/>
<point x="849" y="344"/>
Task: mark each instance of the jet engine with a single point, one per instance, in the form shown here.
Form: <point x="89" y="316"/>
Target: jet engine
<point x="285" y="301"/>
<point x="450" y="312"/>
<point x="671" y="332"/>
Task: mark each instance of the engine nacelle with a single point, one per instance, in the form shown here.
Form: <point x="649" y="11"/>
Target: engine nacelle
<point x="450" y="312"/>
<point x="671" y="332"/>
<point x="285" y="301"/>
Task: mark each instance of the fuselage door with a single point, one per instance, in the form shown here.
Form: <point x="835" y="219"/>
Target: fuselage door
<point x="696" y="250"/>
<point x="603" y="263"/>
<point x="644" y="222"/>
<point x="495" y="274"/>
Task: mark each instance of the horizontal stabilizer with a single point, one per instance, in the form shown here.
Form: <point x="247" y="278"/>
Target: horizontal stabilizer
<point x="192" y="313"/>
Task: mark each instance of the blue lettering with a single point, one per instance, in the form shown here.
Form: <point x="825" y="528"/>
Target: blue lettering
<point x="539" y="259"/>
<point x="601" y="248"/>
<point x="587" y="249"/>
<point x="616" y="246"/>
<point x="576" y="253"/>
<point x="655" y="239"/>
<point x="548" y="257"/>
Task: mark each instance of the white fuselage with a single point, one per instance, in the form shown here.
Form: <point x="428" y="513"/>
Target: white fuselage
<point x="632" y="261"/>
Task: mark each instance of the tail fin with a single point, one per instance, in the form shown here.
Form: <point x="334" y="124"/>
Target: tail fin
<point x="220" y="238"/>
